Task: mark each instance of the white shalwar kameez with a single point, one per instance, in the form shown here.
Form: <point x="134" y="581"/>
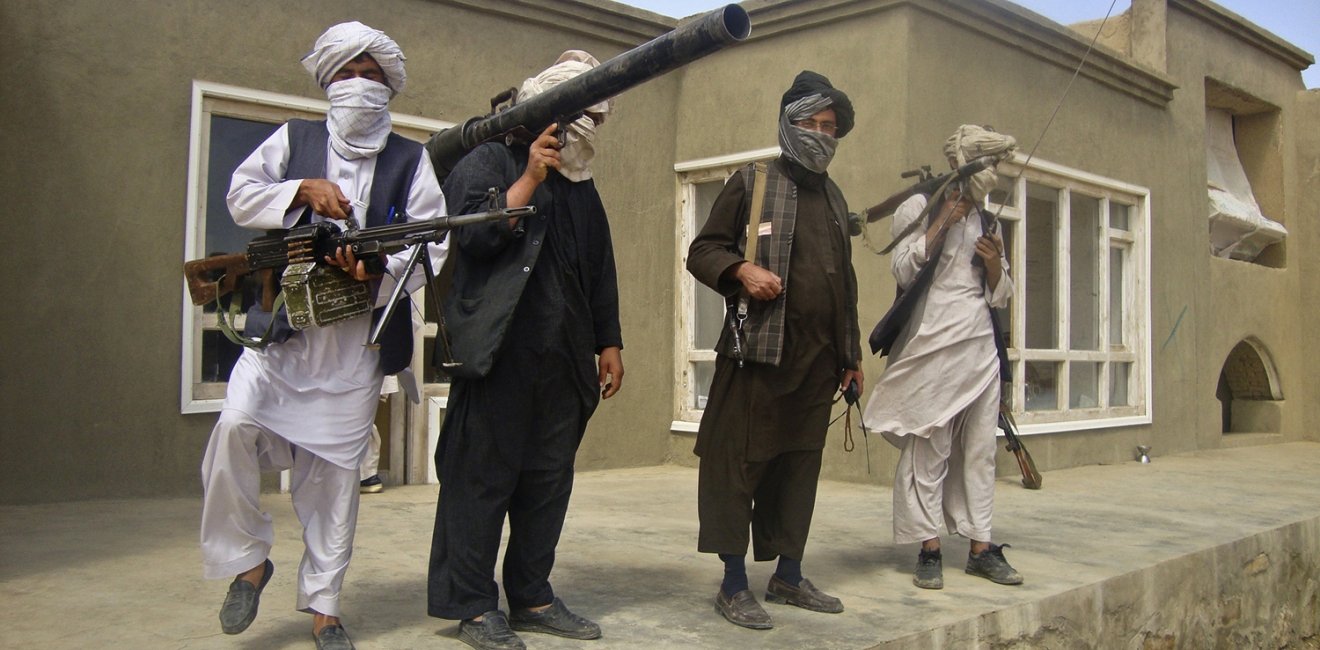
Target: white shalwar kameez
<point x="938" y="398"/>
<point x="306" y="404"/>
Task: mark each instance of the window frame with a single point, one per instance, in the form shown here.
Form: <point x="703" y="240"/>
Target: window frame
<point x="687" y="175"/>
<point x="212" y="99"/>
<point x="1136" y="298"/>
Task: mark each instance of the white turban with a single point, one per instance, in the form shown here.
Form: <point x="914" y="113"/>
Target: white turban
<point x="970" y="142"/>
<point x="580" y="139"/>
<point x="570" y="64"/>
<point x="343" y="42"/>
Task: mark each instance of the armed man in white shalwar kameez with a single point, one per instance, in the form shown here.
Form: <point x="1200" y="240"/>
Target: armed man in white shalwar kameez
<point x="307" y="403"/>
<point x="938" y="399"/>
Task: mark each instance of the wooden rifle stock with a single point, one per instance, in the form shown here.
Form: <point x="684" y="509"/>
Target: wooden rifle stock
<point x="1031" y="478"/>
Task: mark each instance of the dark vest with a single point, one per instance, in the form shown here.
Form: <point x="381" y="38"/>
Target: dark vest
<point x="308" y="142"/>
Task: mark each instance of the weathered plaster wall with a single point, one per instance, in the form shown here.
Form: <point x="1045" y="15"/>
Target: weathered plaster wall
<point x="1306" y="240"/>
<point x="1235" y="300"/>
<point x="99" y="106"/>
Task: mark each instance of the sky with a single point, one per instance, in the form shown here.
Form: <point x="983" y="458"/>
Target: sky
<point x="1295" y="21"/>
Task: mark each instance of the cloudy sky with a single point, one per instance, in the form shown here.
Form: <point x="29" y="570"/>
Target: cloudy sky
<point x="1295" y="21"/>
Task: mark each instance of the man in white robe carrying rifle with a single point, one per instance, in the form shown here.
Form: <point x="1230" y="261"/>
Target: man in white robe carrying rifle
<point x="307" y="403"/>
<point x="938" y="399"/>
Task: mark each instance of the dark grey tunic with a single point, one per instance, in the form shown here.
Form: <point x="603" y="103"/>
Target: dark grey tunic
<point x="760" y="419"/>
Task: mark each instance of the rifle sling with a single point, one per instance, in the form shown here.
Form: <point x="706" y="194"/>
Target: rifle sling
<point x="235" y="305"/>
<point x="753" y="225"/>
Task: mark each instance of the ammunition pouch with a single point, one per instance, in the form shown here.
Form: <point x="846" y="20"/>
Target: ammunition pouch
<point x="316" y="294"/>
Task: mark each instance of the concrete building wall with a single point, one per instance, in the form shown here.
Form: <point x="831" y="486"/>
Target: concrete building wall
<point x="1306" y="243"/>
<point x="97" y="154"/>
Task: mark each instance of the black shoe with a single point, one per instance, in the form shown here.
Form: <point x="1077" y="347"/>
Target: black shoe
<point x="371" y="485"/>
<point x="333" y="637"/>
<point x="492" y="633"/>
<point x="556" y="620"/>
<point x="991" y="565"/>
<point x="743" y="610"/>
<point x="930" y="570"/>
<point x="805" y="595"/>
<point x="240" y="606"/>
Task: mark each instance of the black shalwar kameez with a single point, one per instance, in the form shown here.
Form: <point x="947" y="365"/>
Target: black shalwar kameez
<point x="509" y="437"/>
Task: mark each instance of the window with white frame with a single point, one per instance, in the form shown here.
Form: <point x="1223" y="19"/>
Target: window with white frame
<point x="228" y="123"/>
<point x="1079" y="322"/>
<point x="700" y="309"/>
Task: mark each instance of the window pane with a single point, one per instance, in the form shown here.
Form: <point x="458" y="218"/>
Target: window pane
<point x="1119" y="214"/>
<point x="1005" y="191"/>
<point x="1084" y="294"/>
<point x="1006" y="230"/>
<point x="218" y="356"/>
<point x="706" y="193"/>
<point x="232" y="139"/>
<point x="709" y="319"/>
<point x="1117" y="270"/>
<point x="1118" y="383"/>
<point x="1042" y="310"/>
<point x="1083" y="385"/>
<point x="1042" y="385"/>
<point x="702" y="373"/>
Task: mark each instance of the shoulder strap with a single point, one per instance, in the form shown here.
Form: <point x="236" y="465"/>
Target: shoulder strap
<point x="754" y="215"/>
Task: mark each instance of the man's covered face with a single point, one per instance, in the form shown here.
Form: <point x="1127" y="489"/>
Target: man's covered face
<point x="359" y="118"/>
<point x="806" y="132"/>
<point x="361" y="67"/>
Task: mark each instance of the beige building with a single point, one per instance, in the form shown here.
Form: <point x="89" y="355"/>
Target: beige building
<point x="1140" y="320"/>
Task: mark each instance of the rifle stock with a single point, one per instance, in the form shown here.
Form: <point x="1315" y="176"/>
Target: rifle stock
<point x="1031" y="478"/>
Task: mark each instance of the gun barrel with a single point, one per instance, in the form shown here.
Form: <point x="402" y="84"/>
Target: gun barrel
<point x="401" y="232"/>
<point x="669" y="51"/>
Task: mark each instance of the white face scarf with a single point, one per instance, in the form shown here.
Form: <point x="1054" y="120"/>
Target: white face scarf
<point x="970" y="142"/>
<point x="580" y="136"/>
<point x="578" y="150"/>
<point x="359" y="117"/>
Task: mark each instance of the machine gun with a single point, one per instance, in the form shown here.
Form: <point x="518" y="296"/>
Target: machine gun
<point x="317" y="293"/>
<point x="567" y="101"/>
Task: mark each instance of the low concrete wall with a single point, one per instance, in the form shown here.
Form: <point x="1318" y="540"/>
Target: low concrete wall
<point x="1262" y="591"/>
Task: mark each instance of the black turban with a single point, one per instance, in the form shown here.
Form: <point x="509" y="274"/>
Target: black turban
<point x="811" y="83"/>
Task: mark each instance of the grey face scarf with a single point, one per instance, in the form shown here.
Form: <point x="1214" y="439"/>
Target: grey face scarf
<point x="811" y="149"/>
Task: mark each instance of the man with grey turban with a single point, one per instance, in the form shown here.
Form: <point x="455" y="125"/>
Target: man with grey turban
<point x="944" y="422"/>
<point x="778" y="369"/>
<point x="534" y="318"/>
<point x="306" y="401"/>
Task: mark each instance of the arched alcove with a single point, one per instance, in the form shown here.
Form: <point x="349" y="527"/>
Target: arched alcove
<point x="1249" y="392"/>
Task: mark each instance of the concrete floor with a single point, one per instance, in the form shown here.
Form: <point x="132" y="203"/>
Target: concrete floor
<point x="126" y="574"/>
